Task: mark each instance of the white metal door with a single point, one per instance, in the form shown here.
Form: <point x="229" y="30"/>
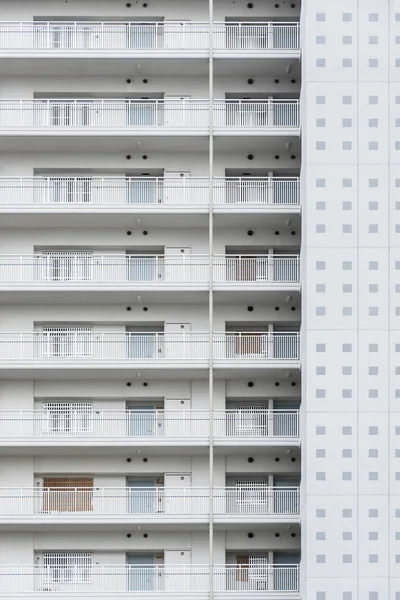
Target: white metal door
<point x="177" y="343"/>
<point x="176" y="187"/>
<point x="176" y="500"/>
<point x="176" y="268"/>
<point x="175" y="574"/>
<point x="176" y="111"/>
<point x="176" y="34"/>
<point x="176" y="423"/>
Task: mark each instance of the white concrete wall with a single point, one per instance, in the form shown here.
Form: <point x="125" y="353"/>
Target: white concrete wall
<point x="113" y="394"/>
<point x="112" y="547"/>
<point x="114" y="318"/>
<point x="194" y="10"/>
<point x="116" y="87"/>
<point x="108" y="163"/>
<point x="108" y="241"/>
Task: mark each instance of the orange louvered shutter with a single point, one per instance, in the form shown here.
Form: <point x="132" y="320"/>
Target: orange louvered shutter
<point x="67" y="494"/>
<point x="242" y="568"/>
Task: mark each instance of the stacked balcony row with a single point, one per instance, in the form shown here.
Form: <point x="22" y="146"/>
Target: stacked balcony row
<point x="158" y="36"/>
<point x="152" y="504"/>
<point x="81" y="344"/>
<point x="152" y="114"/>
<point x="87" y="269"/>
<point x="257" y="578"/>
<point x="150" y="191"/>
<point x="69" y="423"/>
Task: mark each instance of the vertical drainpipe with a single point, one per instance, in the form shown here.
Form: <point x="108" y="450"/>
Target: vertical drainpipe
<point x="210" y="296"/>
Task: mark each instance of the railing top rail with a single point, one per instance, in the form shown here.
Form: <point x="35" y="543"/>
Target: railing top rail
<point x="285" y="411"/>
<point x="76" y="253"/>
<point x="93" y="178"/>
<point x="200" y="411"/>
<point x="256" y="488"/>
<point x="255" y="179"/>
<point x="102" y="488"/>
<point x="250" y="256"/>
<point x="124" y="567"/>
<point x="129" y="23"/>
<point x="161" y="333"/>
<point x="255" y="332"/>
<point x="92" y="255"/>
<point x="98" y="411"/>
<point x="125" y="101"/>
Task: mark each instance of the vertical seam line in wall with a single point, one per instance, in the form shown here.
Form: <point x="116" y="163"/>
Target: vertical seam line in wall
<point x="389" y="283"/>
<point x="210" y="297"/>
<point x="358" y="297"/>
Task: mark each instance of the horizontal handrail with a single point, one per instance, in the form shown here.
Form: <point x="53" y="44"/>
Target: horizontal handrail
<point x="159" y="501"/>
<point x="73" y="423"/>
<point x="256" y="500"/>
<point x="152" y="191"/>
<point x="251" y="423"/>
<point x="114" y="578"/>
<point x="148" y="114"/>
<point x="86" y="268"/>
<point x="98" y="346"/>
<point x="159" y="35"/>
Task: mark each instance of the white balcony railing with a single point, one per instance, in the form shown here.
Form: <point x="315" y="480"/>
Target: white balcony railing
<point x="249" y="423"/>
<point x="246" y="269"/>
<point x="246" y="36"/>
<point x="151" y="193"/>
<point x="109" y="502"/>
<point x="84" y="269"/>
<point x="133" y="347"/>
<point x="137" y="578"/>
<point x="69" y="424"/>
<point x="72" y="424"/>
<point x="153" y="502"/>
<point x="256" y="114"/>
<point x="139" y="37"/>
<point x="256" y="500"/>
<point x="167" y="114"/>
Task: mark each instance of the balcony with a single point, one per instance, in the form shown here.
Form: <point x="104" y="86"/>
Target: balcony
<point x="85" y="271"/>
<point x="108" y="194"/>
<point x="141" y="39"/>
<point x="69" y="427"/>
<point x="91" y="352"/>
<point x="106" y="505"/>
<point x="245" y="581"/>
<point x="236" y="426"/>
<point x="152" y="117"/>
<point x="148" y="505"/>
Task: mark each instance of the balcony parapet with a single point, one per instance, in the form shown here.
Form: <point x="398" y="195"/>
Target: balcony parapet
<point x="258" y="581"/>
<point x="83" y="193"/>
<point x="170" y="116"/>
<point x="158" y="503"/>
<point x="68" y="425"/>
<point x="86" y="347"/>
<point x="152" y="38"/>
<point x="88" y="269"/>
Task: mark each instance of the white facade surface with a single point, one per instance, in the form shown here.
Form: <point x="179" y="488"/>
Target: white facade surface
<point x="350" y="261"/>
<point x="196" y="199"/>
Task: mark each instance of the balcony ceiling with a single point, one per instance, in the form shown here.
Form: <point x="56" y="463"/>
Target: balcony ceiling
<point x="137" y="145"/>
<point x="127" y="219"/>
<point x="128" y="298"/>
<point x="94" y="66"/>
<point x="128" y="67"/>
<point x="268" y="449"/>
<point x="261" y="372"/>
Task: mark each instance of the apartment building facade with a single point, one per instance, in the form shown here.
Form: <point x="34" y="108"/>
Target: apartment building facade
<point x="189" y="373"/>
